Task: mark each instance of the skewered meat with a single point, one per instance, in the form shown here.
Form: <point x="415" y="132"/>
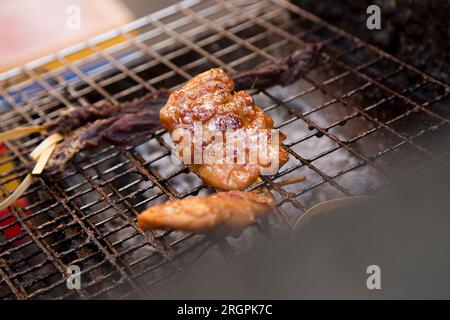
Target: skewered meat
<point x="87" y="127"/>
<point x="221" y="212"/>
<point x="285" y="72"/>
<point x="207" y="98"/>
<point x="117" y="130"/>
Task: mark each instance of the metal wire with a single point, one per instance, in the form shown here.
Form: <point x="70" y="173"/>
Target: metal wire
<point x="348" y="122"/>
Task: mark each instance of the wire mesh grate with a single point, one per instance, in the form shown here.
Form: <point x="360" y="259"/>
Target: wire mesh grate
<point x="349" y="122"/>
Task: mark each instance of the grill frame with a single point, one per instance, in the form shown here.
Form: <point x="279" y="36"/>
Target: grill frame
<point x="108" y="268"/>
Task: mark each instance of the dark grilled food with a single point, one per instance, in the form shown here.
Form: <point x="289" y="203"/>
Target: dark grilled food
<point x="86" y="127"/>
<point x="207" y="98"/>
<point x="78" y="116"/>
<point x="283" y="72"/>
<point x="222" y="212"/>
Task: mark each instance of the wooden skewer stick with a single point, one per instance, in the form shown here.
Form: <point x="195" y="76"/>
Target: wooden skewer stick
<point x="43" y="159"/>
<point x="282" y="182"/>
<point x="291" y="180"/>
<point x="273" y="201"/>
<point x="20" y="131"/>
<point x="24" y="185"/>
<point x="41" y="154"/>
<point x="47" y="143"/>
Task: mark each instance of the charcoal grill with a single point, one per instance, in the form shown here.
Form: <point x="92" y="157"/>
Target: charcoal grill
<point x="358" y="122"/>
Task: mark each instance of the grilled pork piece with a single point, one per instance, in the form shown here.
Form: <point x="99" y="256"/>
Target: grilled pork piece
<point x="207" y="99"/>
<point x="222" y="212"/>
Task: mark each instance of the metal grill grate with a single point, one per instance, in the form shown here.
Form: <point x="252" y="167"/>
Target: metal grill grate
<point x="359" y="121"/>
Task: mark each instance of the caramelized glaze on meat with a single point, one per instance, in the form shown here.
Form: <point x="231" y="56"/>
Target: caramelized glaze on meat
<point x="222" y="211"/>
<point x="207" y="98"/>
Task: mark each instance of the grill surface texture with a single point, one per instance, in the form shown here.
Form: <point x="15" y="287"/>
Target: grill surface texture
<point x="356" y="123"/>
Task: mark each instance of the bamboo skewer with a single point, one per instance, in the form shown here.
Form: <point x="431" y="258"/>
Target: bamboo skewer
<point x="20" y="131"/>
<point x="51" y="140"/>
<point x="291" y="180"/>
<point x="41" y="154"/>
<point x="24" y="185"/>
<point x="42" y="160"/>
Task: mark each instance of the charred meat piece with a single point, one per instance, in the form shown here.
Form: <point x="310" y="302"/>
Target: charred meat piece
<point x="117" y="130"/>
<point x="87" y="127"/>
<point x="78" y="116"/>
<point x="222" y="212"/>
<point x="207" y="99"/>
<point x="283" y="72"/>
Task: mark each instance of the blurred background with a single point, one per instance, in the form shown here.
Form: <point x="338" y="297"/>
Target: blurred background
<point x="31" y="29"/>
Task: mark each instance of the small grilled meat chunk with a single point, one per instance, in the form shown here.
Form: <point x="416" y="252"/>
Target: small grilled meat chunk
<point x="222" y="212"/>
<point x="283" y="72"/>
<point x="207" y="98"/>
